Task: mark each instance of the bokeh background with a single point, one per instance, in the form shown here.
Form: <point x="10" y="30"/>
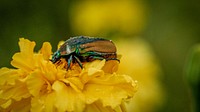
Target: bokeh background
<point x="154" y="38"/>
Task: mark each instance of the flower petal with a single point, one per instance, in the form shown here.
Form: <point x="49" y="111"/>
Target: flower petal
<point x="8" y="76"/>
<point x="35" y="82"/>
<point x="98" y="64"/>
<point x="5" y="103"/>
<point x="46" y="50"/>
<point x="23" y="62"/>
<point x="110" y="66"/>
<point x="111" y="90"/>
<point x="67" y="99"/>
<point x="43" y="103"/>
<point x="92" y="69"/>
<point x="60" y="43"/>
<point x="74" y="82"/>
<point x="16" y="91"/>
<point x="26" y="46"/>
<point x="24" y="59"/>
<point x="93" y="72"/>
<point x="48" y="70"/>
<point x="98" y="107"/>
<point x="37" y="104"/>
<point x="18" y="106"/>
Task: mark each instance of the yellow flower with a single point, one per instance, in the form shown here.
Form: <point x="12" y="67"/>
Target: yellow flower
<point x="143" y="66"/>
<point x="38" y="85"/>
<point x="108" y="17"/>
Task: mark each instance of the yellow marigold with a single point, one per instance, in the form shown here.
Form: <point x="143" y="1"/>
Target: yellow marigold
<point x="108" y="17"/>
<point x="143" y="66"/>
<point x="38" y="85"/>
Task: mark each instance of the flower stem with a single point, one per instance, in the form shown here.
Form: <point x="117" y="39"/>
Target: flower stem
<point x="193" y="76"/>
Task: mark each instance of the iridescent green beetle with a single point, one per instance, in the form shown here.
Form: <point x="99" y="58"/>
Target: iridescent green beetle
<point x="85" y="49"/>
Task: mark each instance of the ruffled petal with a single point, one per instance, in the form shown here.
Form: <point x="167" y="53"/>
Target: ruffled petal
<point x="92" y="70"/>
<point x="26" y="46"/>
<point x="43" y="103"/>
<point x="75" y="83"/>
<point x="23" y="62"/>
<point x="111" y="66"/>
<point x="35" y="83"/>
<point x="46" y="50"/>
<point x="98" y="107"/>
<point x="17" y="91"/>
<point x="18" y="106"/>
<point x="67" y="99"/>
<point x="97" y="64"/>
<point x="111" y="90"/>
<point x="48" y="70"/>
<point x="8" y="76"/>
<point x="24" y="59"/>
<point x="13" y="97"/>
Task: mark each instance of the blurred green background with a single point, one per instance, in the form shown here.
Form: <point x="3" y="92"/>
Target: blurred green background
<point x="170" y="27"/>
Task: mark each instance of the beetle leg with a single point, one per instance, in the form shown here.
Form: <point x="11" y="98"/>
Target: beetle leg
<point x="79" y="62"/>
<point x="69" y="62"/>
<point x="113" y="59"/>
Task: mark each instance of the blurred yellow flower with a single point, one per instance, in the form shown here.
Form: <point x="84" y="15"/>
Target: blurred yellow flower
<point x="38" y="85"/>
<point x="123" y="20"/>
<point x="105" y="17"/>
<point x="139" y="61"/>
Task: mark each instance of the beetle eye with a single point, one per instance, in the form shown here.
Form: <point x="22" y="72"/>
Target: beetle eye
<point x="56" y="56"/>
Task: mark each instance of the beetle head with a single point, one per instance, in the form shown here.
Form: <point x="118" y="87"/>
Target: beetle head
<point x="56" y="56"/>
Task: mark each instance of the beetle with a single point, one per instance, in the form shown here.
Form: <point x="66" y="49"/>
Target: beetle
<point x="85" y="49"/>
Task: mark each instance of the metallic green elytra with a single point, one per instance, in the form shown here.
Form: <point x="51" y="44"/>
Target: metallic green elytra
<point x="85" y="49"/>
